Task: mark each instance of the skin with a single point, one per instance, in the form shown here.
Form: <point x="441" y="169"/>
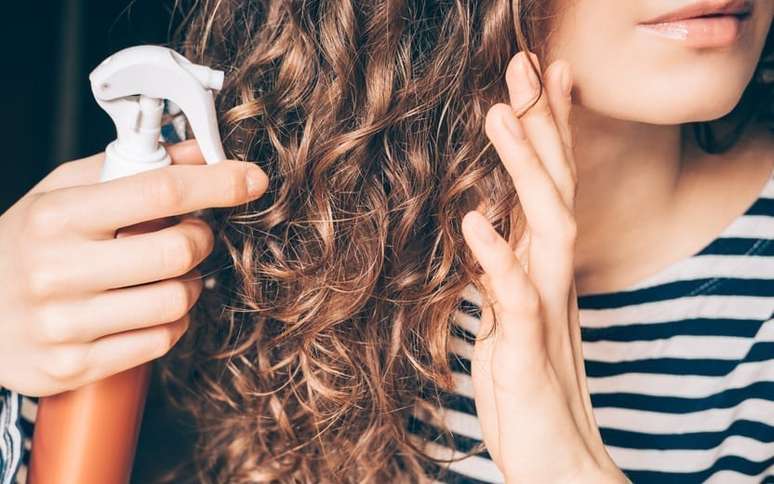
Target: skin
<point x="73" y="317"/>
<point x="591" y="209"/>
<point x="642" y="162"/>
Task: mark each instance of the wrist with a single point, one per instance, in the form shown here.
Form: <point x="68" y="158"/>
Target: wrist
<point x="585" y="474"/>
<point x="609" y="474"/>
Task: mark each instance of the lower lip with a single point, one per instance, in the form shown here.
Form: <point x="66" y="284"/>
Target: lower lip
<point x="700" y="32"/>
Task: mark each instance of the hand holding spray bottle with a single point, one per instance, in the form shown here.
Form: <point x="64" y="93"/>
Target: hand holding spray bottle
<point x="88" y="435"/>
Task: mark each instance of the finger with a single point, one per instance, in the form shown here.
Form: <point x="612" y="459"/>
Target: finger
<point x="483" y="388"/>
<point x="118" y="352"/>
<point x="576" y="340"/>
<point x="124" y="261"/>
<point x="86" y="171"/>
<point x="506" y="366"/>
<point x="100" y="209"/>
<point x="516" y="302"/>
<point x="128" y="309"/>
<point x="559" y="81"/>
<point x="148" y="257"/>
<point x="559" y="75"/>
<point x="538" y="121"/>
<point x="185" y="153"/>
<point x="551" y="225"/>
<point x="548" y="218"/>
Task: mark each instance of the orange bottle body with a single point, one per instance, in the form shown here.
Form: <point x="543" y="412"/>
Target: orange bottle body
<point x="89" y="435"/>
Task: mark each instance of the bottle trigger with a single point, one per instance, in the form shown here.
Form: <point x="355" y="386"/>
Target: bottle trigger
<point x="131" y="86"/>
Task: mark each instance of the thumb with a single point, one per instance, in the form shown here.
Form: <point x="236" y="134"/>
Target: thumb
<point x="86" y="171"/>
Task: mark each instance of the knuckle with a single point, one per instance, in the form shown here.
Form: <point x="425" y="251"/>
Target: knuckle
<point x="67" y="363"/>
<point x="41" y="283"/>
<point x="51" y="327"/>
<point x="63" y="168"/>
<point x="530" y="301"/>
<point x="524" y="305"/>
<point x="179" y="253"/>
<point x="166" y="189"/>
<point x="44" y="218"/>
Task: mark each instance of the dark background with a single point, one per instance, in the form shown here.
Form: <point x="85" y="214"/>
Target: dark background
<point x="49" y="47"/>
<point x="49" y="116"/>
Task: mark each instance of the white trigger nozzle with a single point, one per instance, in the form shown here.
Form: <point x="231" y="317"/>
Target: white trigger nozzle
<point x="210" y="79"/>
<point x="131" y="86"/>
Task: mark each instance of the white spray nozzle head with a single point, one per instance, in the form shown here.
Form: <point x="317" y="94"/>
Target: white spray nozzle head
<point x="129" y="86"/>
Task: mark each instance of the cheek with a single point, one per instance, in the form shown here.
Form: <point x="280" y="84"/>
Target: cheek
<point x="627" y="74"/>
<point x="664" y="93"/>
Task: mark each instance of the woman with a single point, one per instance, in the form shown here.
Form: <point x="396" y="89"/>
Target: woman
<point x="396" y="136"/>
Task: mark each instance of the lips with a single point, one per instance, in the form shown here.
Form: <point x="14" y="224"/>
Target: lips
<point x="707" y="24"/>
<point x="736" y="8"/>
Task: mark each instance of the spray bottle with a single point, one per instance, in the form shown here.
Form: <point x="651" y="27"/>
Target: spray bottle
<point x="89" y="435"/>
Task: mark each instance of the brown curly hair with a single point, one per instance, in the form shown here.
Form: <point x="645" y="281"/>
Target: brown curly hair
<point x="328" y="322"/>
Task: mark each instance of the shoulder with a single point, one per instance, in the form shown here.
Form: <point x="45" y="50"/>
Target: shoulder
<point x="755" y="145"/>
<point x="758" y="142"/>
<point x="755" y="141"/>
<point x="730" y="179"/>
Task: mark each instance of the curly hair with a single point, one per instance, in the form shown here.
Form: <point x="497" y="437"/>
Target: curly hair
<point x="328" y="323"/>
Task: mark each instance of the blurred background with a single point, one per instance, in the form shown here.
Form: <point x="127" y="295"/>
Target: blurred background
<point x="49" y="47"/>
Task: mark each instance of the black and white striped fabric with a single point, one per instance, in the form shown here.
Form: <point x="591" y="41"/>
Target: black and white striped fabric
<point x="680" y="367"/>
<point x="17" y="417"/>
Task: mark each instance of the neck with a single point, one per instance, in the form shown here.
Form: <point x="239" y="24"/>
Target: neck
<point x="628" y="176"/>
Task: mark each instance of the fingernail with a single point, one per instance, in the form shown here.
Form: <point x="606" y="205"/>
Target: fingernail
<point x="513" y="125"/>
<point x="255" y="180"/>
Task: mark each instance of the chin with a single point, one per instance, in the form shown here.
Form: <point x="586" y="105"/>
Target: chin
<point x="692" y="108"/>
<point x="673" y="104"/>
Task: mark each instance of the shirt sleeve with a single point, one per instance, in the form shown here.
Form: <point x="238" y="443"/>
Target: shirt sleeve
<point x="10" y="435"/>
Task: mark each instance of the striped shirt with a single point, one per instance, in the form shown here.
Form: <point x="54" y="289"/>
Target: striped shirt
<point x="680" y="367"/>
<point x="17" y="417"/>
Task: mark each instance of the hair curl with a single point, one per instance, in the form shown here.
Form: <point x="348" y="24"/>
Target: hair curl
<point x="328" y="324"/>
